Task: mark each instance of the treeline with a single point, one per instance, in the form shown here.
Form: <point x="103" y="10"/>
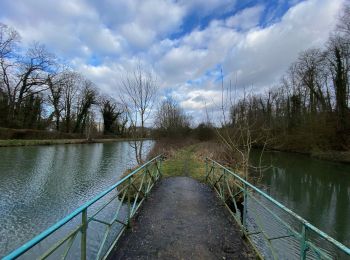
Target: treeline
<point x="310" y="108"/>
<point x="171" y="121"/>
<point x="39" y="92"/>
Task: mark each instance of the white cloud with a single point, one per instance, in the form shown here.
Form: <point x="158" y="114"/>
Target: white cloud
<point x="123" y="33"/>
<point x="201" y="99"/>
<point x="181" y="63"/>
<point x="138" y="36"/>
<point x="257" y="57"/>
<point x="141" y="22"/>
<point x="264" y="54"/>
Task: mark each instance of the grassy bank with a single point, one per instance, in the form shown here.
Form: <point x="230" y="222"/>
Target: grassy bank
<point x="321" y="148"/>
<point x="178" y="162"/>
<point x="334" y="156"/>
<point x="185" y="157"/>
<point x="185" y="162"/>
<point x="181" y="162"/>
<point x="32" y="134"/>
<point x="20" y="142"/>
<point x="327" y="155"/>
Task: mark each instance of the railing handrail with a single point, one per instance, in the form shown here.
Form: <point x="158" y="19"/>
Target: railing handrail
<point x="38" y="238"/>
<point x="305" y="222"/>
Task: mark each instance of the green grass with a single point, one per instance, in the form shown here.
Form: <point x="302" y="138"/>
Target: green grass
<point x="182" y="162"/>
<point x="185" y="163"/>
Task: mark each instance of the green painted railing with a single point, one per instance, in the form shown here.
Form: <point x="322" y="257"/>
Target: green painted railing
<point x="269" y="226"/>
<point x="128" y="193"/>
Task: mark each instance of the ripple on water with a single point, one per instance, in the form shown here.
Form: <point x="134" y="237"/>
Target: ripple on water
<point x="42" y="184"/>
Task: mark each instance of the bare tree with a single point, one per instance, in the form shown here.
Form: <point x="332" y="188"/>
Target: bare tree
<point x="171" y="120"/>
<point x="240" y="131"/>
<point x="310" y="70"/>
<point x="139" y="90"/>
<point x="343" y="25"/>
<point x="25" y="77"/>
<point x="9" y="38"/>
<point x="55" y="96"/>
<point x="339" y="65"/>
<point x="87" y="97"/>
<point x="33" y="70"/>
<point x="69" y="82"/>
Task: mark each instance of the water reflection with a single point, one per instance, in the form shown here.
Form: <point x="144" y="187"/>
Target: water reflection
<point x="317" y="190"/>
<point x="40" y="185"/>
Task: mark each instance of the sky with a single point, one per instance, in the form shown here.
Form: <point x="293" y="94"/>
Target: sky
<point x="186" y="43"/>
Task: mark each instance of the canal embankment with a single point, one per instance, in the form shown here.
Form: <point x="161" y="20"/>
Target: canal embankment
<point x="21" y="142"/>
<point x="28" y="137"/>
<point x="321" y="154"/>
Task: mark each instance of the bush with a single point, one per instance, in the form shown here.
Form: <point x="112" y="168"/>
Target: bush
<point x="30" y="134"/>
<point x="204" y="132"/>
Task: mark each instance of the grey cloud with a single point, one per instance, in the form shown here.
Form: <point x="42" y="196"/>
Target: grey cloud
<point x="123" y="33"/>
<point x="246" y="19"/>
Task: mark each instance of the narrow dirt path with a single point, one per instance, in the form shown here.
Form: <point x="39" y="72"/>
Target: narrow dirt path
<point x="182" y="219"/>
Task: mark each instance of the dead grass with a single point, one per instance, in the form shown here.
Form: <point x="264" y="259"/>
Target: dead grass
<point x="188" y="159"/>
<point x="135" y="181"/>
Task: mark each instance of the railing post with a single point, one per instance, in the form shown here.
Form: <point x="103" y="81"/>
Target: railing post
<point x="223" y="185"/>
<point x="129" y="201"/>
<point x="159" y="167"/>
<point x="245" y="207"/>
<point x="146" y="176"/>
<point x="83" y="233"/>
<point x="303" y="245"/>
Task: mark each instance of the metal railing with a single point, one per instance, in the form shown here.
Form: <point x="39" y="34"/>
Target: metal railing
<point x="268" y="225"/>
<point x="127" y="194"/>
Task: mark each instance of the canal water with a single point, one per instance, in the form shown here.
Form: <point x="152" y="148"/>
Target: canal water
<point x="317" y="190"/>
<point x="39" y="185"/>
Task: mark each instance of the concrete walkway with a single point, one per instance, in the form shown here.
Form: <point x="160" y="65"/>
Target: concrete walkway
<point x="182" y="219"/>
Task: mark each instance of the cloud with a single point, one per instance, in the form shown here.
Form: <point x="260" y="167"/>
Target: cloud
<point x="181" y="63"/>
<point x="255" y="57"/>
<point x="185" y="43"/>
<point x="264" y="54"/>
<point x="204" y="8"/>
<point x="140" y="23"/>
<point x="201" y="99"/>
<point x="246" y="19"/>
